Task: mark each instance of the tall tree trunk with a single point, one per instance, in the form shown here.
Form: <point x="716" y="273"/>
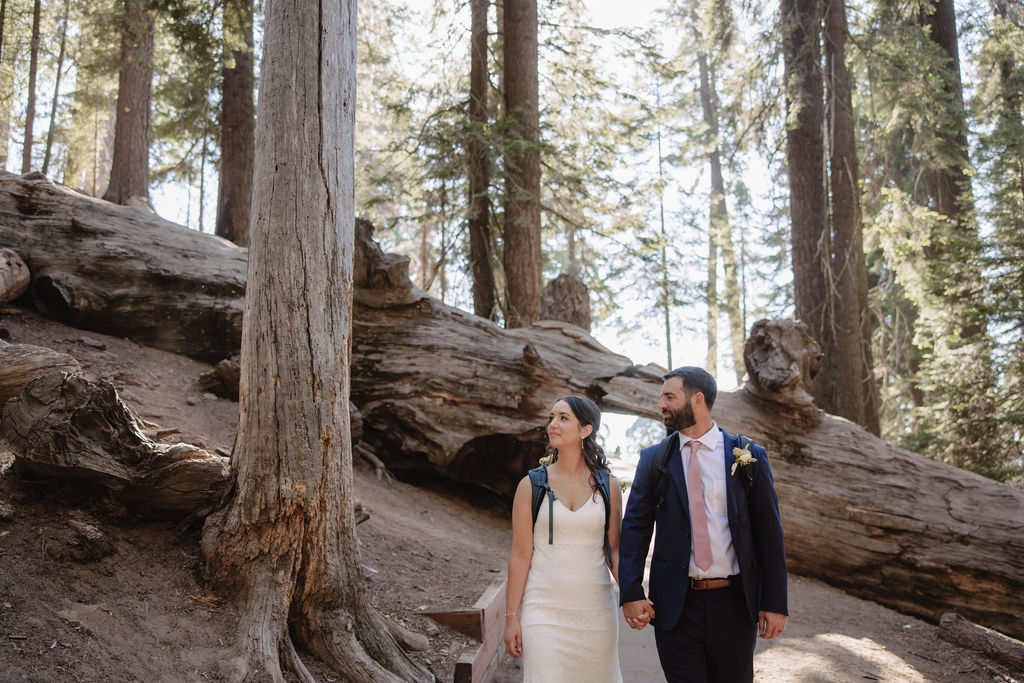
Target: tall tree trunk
<point x="5" y="105"/>
<point x="480" y="238"/>
<point x="56" y="88"/>
<point x="129" y="170"/>
<point x="666" y="288"/>
<point x="721" y="232"/>
<point x="522" y="253"/>
<point x="285" y="544"/>
<point x="950" y="183"/>
<point x="856" y="397"/>
<point x="801" y="27"/>
<point x="30" y="110"/>
<point x="237" y="125"/>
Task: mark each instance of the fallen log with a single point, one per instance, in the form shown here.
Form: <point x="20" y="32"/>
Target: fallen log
<point x="443" y="392"/>
<point x="124" y="271"/>
<point x="953" y="628"/>
<point x="65" y="426"/>
<point x="21" y="363"/>
<point x="14" y="276"/>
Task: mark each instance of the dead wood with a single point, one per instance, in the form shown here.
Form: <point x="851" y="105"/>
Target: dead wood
<point x="953" y="628"/>
<point x="14" y="276"/>
<point x="566" y="298"/>
<point x="123" y="271"/>
<point x="21" y="363"/>
<point x="68" y="427"/>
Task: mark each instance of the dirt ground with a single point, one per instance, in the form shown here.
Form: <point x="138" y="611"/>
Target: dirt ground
<point x="132" y="606"/>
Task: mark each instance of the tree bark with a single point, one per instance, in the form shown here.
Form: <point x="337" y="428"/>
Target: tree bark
<point x="129" y="273"/>
<point x="14" y="276"/>
<point x="237" y="125"/>
<point x="855" y="395"/>
<point x="522" y="251"/>
<point x="566" y="298"/>
<point x="56" y="88"/>
<point x="30" y="109"/>
<point x="67" y="426"/>
<point x="285" y="542"/>
<point x="801" y="24"/>
<point x="955" y="629"/>
<point x="129" y="170"/>
<point x="21" y="363"/>
<point x="5" y="107"/>
<point x="479" y="163"/>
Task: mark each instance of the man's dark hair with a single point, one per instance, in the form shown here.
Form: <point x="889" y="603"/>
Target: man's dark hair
<point x="696" y="379"/>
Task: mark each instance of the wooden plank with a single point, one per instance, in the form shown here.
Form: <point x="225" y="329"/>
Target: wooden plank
<point x="468" y="622"/>
<point x="464" y="667"/>
<point x="485" y="622"/>
<point x="492" y="606"/>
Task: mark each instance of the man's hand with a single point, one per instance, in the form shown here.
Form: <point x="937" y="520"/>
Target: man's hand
<point x="770" y="624"/>
<point x="638" y="613"/>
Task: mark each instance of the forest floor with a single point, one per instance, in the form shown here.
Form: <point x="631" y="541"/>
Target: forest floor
<point x="137" y="609"/>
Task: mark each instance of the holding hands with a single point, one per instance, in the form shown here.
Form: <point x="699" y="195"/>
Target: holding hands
<point x="638" y="613"/>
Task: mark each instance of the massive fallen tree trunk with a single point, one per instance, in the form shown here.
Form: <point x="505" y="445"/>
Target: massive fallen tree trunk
<point x="123" y="271"/>
<point x="445" y="392"/>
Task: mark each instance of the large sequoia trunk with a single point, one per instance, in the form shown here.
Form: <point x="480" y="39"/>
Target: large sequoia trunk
<point x="444" y="391"/>
<point x="284" y="544"/>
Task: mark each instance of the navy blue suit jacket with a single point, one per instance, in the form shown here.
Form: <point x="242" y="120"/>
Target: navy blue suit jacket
<point x="754" y="522"/>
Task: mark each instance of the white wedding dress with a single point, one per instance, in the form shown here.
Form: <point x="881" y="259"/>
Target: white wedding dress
<point x="569" y="613"/>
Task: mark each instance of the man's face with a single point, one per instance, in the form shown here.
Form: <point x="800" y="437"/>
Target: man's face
<point x="675" y="406"/>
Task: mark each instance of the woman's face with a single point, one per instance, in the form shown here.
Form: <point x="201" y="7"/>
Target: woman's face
<point x="564" y="427"/>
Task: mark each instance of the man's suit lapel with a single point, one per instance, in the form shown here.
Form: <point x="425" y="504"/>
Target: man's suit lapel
<point x="675" y="471"/>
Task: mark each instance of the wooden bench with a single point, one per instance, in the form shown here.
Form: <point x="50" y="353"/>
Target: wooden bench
<point x="485" y="623"/>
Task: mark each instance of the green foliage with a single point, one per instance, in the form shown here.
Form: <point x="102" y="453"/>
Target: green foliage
<point x="938" y="342"/>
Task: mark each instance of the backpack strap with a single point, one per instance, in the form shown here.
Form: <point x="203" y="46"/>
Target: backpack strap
<point x="604" y="487"/>
<point x="665" y="449"/>
<point x="539" y="480"/>
<point x="746" y="473"/>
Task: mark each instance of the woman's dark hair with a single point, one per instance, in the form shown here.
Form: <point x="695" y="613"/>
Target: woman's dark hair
<point x="587" y="412"/>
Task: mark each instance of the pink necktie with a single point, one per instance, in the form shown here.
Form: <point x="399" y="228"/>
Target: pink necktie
<point x="698" y="518"/>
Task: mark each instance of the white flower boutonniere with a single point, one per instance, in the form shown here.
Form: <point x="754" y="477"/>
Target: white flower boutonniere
<point x="741" y="458"/>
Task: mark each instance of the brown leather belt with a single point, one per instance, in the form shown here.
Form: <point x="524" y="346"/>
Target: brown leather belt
<point x="709" y="584"/>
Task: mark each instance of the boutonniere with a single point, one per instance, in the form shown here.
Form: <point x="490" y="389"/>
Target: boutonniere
<point x="741" y="458"/>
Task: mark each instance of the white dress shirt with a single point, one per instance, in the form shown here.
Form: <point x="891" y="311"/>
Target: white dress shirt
<point x="712" y="478"/>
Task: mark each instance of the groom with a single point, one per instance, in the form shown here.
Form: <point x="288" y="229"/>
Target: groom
<point x="718" y="575"/>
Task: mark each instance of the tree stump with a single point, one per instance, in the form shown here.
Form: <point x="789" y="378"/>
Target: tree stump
<point x="566" y="298"/>
<point x="21" y="363"/>
<point x="67" y="427"/>
<point x="782" y="360"/>
<point x="14" y="275"/>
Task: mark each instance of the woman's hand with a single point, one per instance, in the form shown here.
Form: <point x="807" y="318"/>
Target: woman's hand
<point x="513" y="636"/>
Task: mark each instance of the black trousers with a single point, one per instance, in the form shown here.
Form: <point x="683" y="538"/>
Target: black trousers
<point x="713" y="641"/>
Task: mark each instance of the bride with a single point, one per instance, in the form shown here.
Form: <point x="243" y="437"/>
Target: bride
<point x="561" y="611"/>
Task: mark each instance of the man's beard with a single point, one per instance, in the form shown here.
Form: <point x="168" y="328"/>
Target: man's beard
<point x="678" y="420"/>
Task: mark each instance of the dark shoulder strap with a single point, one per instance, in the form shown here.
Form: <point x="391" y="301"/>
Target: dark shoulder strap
<point x="746" y="473"/>
<point x="539" y="480"/>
